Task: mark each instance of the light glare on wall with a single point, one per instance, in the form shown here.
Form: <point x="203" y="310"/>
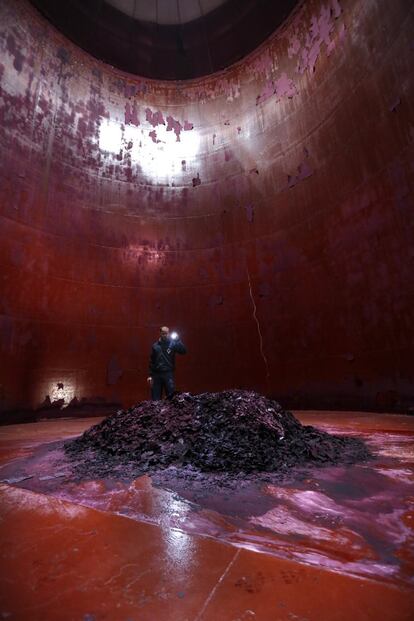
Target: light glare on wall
<point x="158" y="155"/>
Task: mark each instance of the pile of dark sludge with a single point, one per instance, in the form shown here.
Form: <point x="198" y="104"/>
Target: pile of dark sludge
<point x="234" y="431"/>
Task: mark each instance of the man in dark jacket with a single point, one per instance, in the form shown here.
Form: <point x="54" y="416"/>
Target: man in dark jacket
<point x="162" y="363"/>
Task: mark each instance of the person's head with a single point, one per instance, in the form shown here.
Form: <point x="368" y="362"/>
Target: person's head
<point x="164" y="333"/>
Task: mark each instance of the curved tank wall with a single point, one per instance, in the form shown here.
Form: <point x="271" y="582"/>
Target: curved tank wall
<point x="265" y="212"/>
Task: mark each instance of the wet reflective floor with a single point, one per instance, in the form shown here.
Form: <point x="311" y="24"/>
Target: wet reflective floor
<point x="331" y="543"/>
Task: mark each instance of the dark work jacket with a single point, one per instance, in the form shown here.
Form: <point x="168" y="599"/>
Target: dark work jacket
<point x="162" y="358"/>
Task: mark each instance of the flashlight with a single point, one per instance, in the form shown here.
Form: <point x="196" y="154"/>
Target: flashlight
<point x="174" y="335"/>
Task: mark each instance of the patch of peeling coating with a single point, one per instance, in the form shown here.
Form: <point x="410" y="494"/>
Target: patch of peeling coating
<point x="304" y="171"/>
<point x="305" y="36"/>
<point x="307" y="39"/>
<point x="154" y="119"/>
<point x="282" y="87"/>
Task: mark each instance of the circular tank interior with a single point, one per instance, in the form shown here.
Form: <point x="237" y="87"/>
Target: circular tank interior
<point x="242" y="172"/>
<point x="263" y="211"/>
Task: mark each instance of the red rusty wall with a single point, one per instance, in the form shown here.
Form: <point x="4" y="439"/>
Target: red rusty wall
<point x="279" y="242"/>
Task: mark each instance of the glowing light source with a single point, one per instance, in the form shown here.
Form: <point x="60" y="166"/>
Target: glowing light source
<point x="61" y="390"/>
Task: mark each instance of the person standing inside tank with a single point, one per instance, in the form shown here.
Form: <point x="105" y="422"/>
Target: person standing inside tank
<point x="162" y="363"/>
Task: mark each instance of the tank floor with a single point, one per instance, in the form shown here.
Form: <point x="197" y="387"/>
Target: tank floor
<point x="334" y="544"/>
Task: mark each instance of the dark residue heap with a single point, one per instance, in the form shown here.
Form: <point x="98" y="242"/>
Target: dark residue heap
<point x="232" y="431"/>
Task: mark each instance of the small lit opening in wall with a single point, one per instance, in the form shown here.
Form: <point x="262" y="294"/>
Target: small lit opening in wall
<point x="61" y="390"/>
<point x="157" y="151"/>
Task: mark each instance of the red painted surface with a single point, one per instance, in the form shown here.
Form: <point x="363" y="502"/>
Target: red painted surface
<point x="264" y="212"/>
<point x="336" y="544"/>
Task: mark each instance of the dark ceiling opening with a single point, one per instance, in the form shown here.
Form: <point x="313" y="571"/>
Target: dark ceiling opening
<point x="165" y="41"/>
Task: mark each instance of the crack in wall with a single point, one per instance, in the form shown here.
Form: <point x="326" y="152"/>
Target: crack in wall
<point x="263" y="355"/>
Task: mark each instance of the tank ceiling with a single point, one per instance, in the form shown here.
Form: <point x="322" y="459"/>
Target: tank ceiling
<point x="264" y="212"/>
<point x="167" y="39"/>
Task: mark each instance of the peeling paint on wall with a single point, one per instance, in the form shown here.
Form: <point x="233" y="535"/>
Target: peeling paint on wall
<point x="307" y="40"/>
<point x="131" y="114"/>
<point x="304" y="171"/>
<point x="282" y="87"/>
<point x="121" y="230"/>
<point x="154" y="118"/>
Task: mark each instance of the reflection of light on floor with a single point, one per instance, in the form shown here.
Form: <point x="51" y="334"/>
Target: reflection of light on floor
<point x="158" y="155"/>
<point x="61" y="390"/>
<point x="179" y="545"/>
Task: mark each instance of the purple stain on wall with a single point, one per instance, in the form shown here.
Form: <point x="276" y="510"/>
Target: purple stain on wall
<point x="304" y="171"/>
<point x="249" y="213"/>
<point x="96" y="110"/>
<point x="227" y="155"/>
<point x="153" y="136"/>
<point x="131" y="114"/>
<point x="174" y="125"/>
<point x="154" y="118"/>
<point x="308" y="48"/>
<point x="130" y="90"/>
<point x="336" y="8"/>
<point x="333" y="43"/>
<point x="282" y="87"/>
<point x="294" y="46"/>
<point x="285" y="87"/>
<point x="331" y="47"/>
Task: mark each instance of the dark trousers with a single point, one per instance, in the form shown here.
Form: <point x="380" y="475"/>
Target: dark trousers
<point x="160" y="382"/>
